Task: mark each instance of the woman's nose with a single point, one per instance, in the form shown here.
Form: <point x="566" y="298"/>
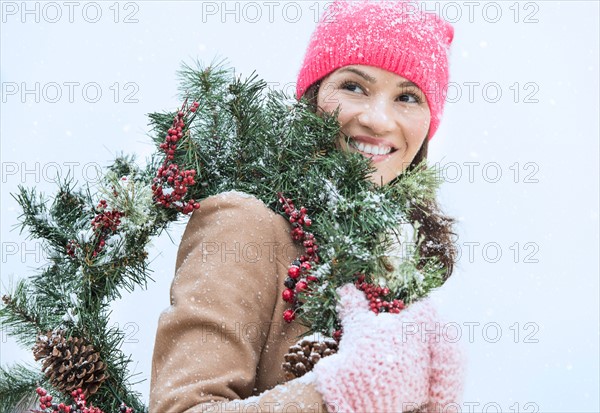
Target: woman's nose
<point x="378" y="116"/>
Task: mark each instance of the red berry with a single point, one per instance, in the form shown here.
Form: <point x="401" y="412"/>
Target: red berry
<point x="301" y="286"/>
<point x="287" y="295"/>
<point x="337" y="335"/>
<point x="288" y="315"/>
<point x="294" y="271"/>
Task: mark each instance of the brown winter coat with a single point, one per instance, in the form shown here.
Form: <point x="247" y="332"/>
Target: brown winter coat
<point x="223" y="338"/>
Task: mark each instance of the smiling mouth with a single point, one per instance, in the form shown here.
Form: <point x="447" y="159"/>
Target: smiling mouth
<point x="370" y="150"/>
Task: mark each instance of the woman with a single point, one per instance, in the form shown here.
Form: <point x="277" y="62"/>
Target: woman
<point x="220" y="345"/>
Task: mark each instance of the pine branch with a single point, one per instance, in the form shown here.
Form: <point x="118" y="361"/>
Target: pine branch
<point x="108" y="341"/>
<point x="36" y="218"/>
<point x="17" y="388"/>
<point x="20" y="314"/>
<point x="418" y="185"/>
<point x="200" y="81"/>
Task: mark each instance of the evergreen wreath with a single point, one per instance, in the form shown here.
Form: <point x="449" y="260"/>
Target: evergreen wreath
<point x="230" y="134"/>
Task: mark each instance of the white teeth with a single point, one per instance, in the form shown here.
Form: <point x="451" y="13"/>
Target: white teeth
<point x="371" y="149"/>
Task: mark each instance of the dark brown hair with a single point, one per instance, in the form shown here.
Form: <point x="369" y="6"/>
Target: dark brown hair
<point x="435" y="229"/>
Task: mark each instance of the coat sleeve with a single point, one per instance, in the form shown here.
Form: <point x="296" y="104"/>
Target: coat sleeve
<point x="226" y="278"/>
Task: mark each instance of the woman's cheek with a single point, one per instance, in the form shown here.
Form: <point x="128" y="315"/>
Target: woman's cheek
<point x="348" y="113"/>
<point x="417" y="125"/>
<point x="423" y="118"/>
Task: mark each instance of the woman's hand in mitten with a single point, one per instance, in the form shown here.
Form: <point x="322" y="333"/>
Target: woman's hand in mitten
<point x="389" y="362"/>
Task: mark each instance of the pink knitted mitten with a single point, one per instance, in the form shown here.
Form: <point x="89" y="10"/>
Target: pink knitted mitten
<point x="390" y="362"/>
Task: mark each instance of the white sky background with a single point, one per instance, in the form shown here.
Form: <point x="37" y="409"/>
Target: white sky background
<point x="541" y="135"/>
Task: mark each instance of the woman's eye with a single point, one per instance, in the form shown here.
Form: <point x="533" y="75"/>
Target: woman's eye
<point x="352" y="87"/>
<point x="409" y="98"/>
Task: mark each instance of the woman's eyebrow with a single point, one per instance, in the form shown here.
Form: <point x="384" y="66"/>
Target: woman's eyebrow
<point x="362" y="74"/>
<point x="371" y="79"/>
<point x="406" y="83"/>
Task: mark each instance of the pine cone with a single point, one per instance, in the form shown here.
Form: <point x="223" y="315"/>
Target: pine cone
<point x="302" y="356"/>
<point x="70" y="363"/>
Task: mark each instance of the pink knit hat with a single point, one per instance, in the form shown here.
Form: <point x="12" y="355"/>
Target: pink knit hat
<point x="396" y="36"/>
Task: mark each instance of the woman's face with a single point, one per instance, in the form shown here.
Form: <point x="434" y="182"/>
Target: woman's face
<point x="383" y="116"/>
